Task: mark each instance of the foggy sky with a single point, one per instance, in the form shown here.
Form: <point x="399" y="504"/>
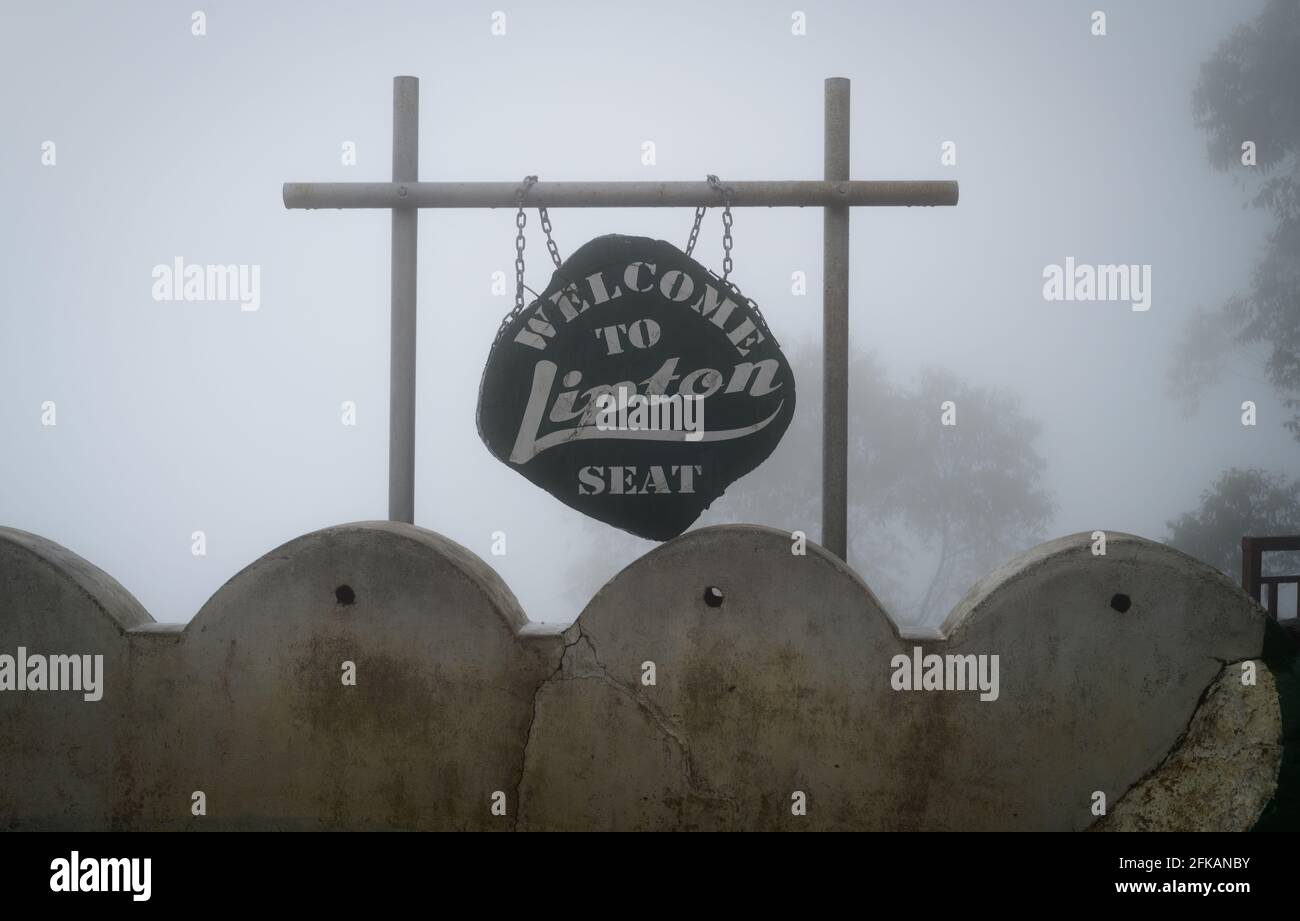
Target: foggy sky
<point x="176" y="417"/>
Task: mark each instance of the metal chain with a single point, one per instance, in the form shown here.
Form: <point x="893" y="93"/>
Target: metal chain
<point x="550" y="243"/>
<point x="699" y="215"/>
<point x="695" y="229"/>
<point x="727" y="263"/>
<point x="726" y="241"/>
<point x="521" y="221"/>
<point x="726" y="224"/>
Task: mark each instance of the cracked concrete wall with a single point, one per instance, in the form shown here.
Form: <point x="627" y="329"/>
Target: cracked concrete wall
<point x="784" y="687"/>
<point x="1224" y="769"/>
<point x="247" y="703"/>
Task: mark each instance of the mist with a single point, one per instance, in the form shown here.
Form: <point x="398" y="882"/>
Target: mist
<point x="176" y="417"/>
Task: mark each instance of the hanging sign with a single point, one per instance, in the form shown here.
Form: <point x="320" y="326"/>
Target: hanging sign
<point x="636" y="388"/>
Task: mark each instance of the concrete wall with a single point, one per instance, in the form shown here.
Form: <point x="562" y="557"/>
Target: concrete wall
<point x="783" y="689"/>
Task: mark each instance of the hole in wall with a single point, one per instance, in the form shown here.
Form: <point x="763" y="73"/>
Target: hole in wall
<point x="345" y="595"/>
<point x="1120" y="603"/>
<point x="713" y="596"/>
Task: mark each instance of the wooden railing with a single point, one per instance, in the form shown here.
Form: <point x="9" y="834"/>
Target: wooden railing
<point x="1252" y="580"/>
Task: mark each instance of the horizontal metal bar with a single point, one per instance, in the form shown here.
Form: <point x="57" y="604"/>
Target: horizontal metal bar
<point x="1289" y="542"/>
<point x="1279" y="580"/>
<point x="780" y="194"/>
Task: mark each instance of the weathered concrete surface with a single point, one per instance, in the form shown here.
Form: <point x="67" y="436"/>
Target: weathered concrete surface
<point x="1222" y="772"/>
<point x="56" y="749"/>
<point x="784" y="687"/>
<point x="247" y="703"/>
<point x="251" y="708"/>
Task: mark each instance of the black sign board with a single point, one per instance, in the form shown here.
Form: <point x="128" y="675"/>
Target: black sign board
<point x="636" y="388"/>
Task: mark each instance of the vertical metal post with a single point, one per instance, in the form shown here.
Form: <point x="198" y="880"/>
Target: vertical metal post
<point x="835" y="328"/>
<point x="401" y="391"/>
<point x="1250" y="560"/>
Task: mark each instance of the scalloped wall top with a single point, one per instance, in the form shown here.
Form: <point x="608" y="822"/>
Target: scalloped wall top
<point x="379" y="675"/>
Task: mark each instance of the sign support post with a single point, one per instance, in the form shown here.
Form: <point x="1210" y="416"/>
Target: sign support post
<point x="401" y="369"/>
<point x="835" y="328"/>
<point x="836" y="194"/>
